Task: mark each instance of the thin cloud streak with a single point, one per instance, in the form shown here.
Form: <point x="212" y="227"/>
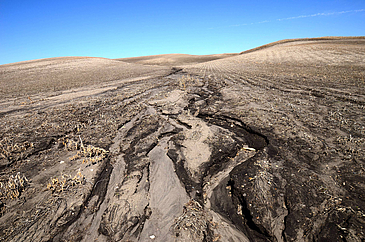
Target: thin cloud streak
<point x="297" y="17"/>
<point x="322" y="14"/>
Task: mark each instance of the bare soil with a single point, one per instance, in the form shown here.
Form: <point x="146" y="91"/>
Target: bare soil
<point x="174" y="59"/>
<point x="265" y="145"/>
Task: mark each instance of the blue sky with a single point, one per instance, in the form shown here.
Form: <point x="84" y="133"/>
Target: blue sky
<point x="115" y="29"/>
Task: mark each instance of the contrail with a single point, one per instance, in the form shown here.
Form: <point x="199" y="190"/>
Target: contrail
<point x="297" y="17"/>
<point x="322" y="14"/>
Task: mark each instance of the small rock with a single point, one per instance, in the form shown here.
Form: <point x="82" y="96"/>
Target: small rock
<point x="152" y="237"/>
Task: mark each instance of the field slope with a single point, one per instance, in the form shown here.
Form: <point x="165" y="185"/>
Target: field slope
<point x="264" y="145"/>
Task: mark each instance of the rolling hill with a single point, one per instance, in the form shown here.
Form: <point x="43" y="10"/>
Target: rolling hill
<point x="263" y="145"/>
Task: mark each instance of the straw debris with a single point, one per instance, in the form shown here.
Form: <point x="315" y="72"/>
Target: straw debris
<point x="89" y="153"/>
<point x="58" y="185"/>
<point x="13" y="186"/>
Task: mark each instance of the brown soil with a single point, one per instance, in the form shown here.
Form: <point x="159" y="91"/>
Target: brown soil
<point x="268" y="145"/>
<point x="174" y="59"/>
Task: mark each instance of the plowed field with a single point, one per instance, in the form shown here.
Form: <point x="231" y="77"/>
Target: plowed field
<point x="266" y="145"/>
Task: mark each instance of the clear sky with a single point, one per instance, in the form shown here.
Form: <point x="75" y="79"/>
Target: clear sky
<point x="115" y="29"/>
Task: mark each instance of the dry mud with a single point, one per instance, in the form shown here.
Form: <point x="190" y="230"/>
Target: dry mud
<point x="263" y="146"/>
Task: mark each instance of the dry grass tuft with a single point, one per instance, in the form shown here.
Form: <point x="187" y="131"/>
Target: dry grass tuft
<point x="89" y="153"/>
<point x="58" y="185"/>
<point x="8" y="148"/>
<point x="13" y="186"/>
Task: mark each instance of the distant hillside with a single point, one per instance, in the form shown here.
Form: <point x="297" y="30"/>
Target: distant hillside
<point x="300" y="39"/>
<point x="174" y="59"/>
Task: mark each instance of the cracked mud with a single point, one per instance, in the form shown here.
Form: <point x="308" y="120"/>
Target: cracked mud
<point x="267" y="145"/>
